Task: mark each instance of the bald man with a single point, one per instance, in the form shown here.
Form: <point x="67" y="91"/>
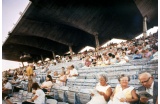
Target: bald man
<point x="150" y="86"/>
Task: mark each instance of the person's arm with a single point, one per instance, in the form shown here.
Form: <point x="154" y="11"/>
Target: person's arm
<point x="133" y="99"/>
<point x="157" y="100"/>
<point x="34" y="98"/>
<point x="107" y="94"/>
<point x="64" y="79"/>
<point x="112" y="95"/>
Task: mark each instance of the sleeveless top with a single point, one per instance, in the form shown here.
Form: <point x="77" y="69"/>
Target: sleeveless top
<point x="97" y="98"/>
<point x="102" y="88"/>
<point x="119" y="93"/>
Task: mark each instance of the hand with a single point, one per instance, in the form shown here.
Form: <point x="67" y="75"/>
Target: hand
<point x="122" y="100"/>
<point x="144" y="99"/>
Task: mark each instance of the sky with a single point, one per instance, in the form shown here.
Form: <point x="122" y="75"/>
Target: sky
<point x="10" y="16"/>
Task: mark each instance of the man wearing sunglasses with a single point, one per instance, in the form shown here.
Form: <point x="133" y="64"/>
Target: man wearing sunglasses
<point x="150" y="86"/>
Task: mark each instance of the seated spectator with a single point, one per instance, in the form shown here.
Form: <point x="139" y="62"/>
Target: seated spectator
<point x="150" y="86"/>
<point x="63" y="69"/>
<point x="137" y="55"/>
<point x="73" y="72"/>
<point x="147" y="54"/>
<point x="87" y="62"/>
<point x="47" y="84"/>
<point x="94" y="62"/>
<point x="67" y="72"/>
<point x="123" y="93"/>
<point x="112" y="60"/>
<point x="6" y="89"/>
<point x="123" y="59"/>
<point x="99" y="61"/>
<point x="102" y="93"/>
<point x="62" y="79"/>
<point x="38" y="98"/>
<point x="154" y="53"/>
<point x="55" y="76"/>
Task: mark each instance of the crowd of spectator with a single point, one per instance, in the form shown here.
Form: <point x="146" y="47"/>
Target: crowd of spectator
<point x="109" y="55"/>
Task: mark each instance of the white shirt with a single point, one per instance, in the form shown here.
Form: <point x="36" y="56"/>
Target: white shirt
<point x="150" y="90"/>
<point x="41" y="97"/>
<point x="73" y="72"/>
<point x="8" y="86"/>
<point x="48" y="84"/>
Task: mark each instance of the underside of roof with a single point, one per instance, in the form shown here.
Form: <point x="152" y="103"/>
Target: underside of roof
<point x="54" y="25"/>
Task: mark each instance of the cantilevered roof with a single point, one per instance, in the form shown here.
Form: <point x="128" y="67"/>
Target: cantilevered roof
<point x="54" y="25"/>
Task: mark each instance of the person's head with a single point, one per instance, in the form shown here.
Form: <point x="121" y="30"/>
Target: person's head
<point x="146" y="79"/>
<point x="154" y="49"/>
<point x="123" y="79"/>
<point x="72" y="66"/>
<point x="5" y="80"/>
<point x="15" y="77"/>
<point x="110" y="54"/>
<point x="136" y="52"/>
<point x="62" y="73"/>
<point x="103" y="79"/>
<point x="123" y="53"/>
<point x="55" y="73"/>
<point x="35" y="86"/>
<point x="49" y="78"/>
<point x="63" y="68"/>
<point x="113" y="56"/>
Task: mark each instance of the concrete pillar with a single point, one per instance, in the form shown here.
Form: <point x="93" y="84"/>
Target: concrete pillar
<point x="22" y="64"/>
<point x="97" y="41"/>
<point x="70" y="50"/>
<point x="42" y="58"/>
<point x="54" y="55"/>
<point x="145" y="27"/>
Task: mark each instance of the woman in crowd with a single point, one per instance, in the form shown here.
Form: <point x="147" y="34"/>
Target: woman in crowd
<point x="47" y="84"/>
<point x="147" y="54"/>
<point x="6" y="88"/>
<point x="123" y="59"/>
<point x="123" y="93"/>
<point x="38" y="98"/>
<point x="62" y="79"/>
<point x="87" y="62"/>
<point x="102" y="91"/>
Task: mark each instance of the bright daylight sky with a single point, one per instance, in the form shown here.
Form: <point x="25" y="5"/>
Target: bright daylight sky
<point x="10" y="16"/>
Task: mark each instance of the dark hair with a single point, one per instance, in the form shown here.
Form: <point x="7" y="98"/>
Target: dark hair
<point x="35" y="86"/>
<point x="50" y="78"/>
<point x="113" y="56"/>
<point x="123" y="75"/>
<point x="155" y="48"/>
<point x="109" y="54"/>
<point x="136" y="51"/>
<point x="72" y="66"/>
<point x="124" y="53"/>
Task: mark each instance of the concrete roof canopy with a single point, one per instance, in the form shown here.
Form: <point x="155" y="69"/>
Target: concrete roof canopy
<point x="54" y="25"/>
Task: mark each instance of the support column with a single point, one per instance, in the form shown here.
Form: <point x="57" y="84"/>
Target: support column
<point x="42" y="58"/>
<point x="54" y="55"/>
<point x="145" y="27"/>
<point x="97" y="41"/>
<point x="22" y="64"/>
<point x="70" y="50"/>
